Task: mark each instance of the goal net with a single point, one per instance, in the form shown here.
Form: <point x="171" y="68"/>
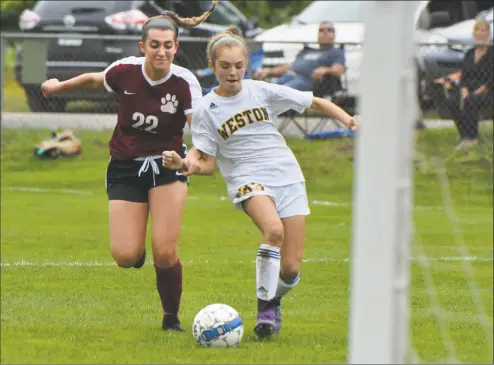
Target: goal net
<point x="422" y="255"/>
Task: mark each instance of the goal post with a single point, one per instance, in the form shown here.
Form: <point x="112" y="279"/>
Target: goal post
<point x="382" y="191"/>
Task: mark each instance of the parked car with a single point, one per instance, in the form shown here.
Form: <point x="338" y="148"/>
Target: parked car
<point x="71" y="54"/>
<point x="347" y="19"/>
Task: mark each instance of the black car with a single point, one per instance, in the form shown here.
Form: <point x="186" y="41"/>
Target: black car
<point x="80" y="47"/>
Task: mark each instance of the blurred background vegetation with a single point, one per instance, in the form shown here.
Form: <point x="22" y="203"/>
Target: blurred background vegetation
<point x="271" y="13"/>
<point x="268" y="12"/>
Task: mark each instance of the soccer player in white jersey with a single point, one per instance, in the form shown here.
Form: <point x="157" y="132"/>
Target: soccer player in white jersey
<point x="235" y="127"/>
<point x="156" y="100"/>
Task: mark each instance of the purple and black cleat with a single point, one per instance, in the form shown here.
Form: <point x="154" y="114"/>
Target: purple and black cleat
<point x="277" y="315"/>
<point x="266" y="324"/>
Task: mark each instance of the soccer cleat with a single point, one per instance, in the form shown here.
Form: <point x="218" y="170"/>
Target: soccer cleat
<point x="176" y="327"/>
<point x="141" y="261"/>
<point x="171" y="323"/>
<point x="277" y="315"/>
<point x="266" y="322"/>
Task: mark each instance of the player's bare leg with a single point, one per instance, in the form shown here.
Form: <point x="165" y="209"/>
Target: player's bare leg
<point x="263" y="213"/>
<point x="292" y="252"/>
<point x="167" y="203"/>
<point x="128" y="221"/>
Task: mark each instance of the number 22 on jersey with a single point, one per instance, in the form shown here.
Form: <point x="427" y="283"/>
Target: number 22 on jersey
<point x="146" y="123"/>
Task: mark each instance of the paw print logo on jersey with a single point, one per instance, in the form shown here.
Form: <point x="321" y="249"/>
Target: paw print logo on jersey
<point x="170" y="104"/>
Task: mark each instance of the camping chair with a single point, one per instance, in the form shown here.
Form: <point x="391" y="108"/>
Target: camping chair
<point x="330" y="88"/>
<point x="336" y="91"/>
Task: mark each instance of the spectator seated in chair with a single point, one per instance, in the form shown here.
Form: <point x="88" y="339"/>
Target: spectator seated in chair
<point x="470" y="93"/>
<point x="311" y="64"/>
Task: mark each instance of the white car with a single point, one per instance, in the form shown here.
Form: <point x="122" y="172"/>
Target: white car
<point x="462" y="31"/>
<point x="346" y="17"/>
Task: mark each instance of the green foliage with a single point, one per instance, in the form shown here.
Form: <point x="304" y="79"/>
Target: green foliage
<point x="8" y="5"/>
<point x="10" y="11"/>
<point x="271" y="13"/>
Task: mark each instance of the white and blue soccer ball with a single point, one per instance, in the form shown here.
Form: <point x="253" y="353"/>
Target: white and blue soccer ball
<point x="218" y="325"/>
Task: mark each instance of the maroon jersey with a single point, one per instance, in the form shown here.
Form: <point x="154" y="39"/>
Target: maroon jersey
<point x="151" y="114"/>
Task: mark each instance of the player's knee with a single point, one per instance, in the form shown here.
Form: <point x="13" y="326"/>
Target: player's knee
<point x="165" y="253"/>
<point x="126" y="258"/>
<point x="274" y="234"/>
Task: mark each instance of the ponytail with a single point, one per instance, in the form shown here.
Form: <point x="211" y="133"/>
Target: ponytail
<point x="170" y="20"/>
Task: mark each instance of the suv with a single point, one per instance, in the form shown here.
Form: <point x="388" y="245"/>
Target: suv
<point x="73" y="53"/>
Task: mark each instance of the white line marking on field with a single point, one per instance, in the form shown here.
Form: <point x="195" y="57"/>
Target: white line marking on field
<point x="190" y="197"/>
<point x="40" y="190"/>
<point x="329" y="204"/>
<point x="25" y="263"/>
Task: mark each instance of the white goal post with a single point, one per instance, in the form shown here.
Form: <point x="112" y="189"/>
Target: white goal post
<point x="382" y="208"/>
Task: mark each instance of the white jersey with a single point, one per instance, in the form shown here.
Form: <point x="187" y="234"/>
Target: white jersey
<point x="240" y="131"/>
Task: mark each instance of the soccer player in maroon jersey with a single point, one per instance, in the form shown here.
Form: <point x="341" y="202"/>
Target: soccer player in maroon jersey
<point x="156" y="100"/>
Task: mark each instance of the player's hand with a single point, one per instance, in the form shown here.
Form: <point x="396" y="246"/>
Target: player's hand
<point x="192" y="165"/>
<point x="319" y="73"/>
<point x="353" y="123"/>
<point x="49" y="87"/>
<point x="172" y="160"/>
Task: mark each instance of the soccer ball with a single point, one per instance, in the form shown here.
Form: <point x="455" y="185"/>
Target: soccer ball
<point x="218" y="325"/>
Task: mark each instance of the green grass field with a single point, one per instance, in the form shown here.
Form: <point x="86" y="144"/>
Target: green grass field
<point x="64" y="301"/>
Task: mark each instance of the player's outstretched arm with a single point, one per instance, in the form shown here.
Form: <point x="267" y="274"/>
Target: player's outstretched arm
<point x="87" y="80"/>
<point x="334" y="111"/>
<point x="204" y="166"/>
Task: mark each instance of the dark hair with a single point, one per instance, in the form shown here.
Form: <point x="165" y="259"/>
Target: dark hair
<point x="170" y="20"/>
<point x="233" y="37"/>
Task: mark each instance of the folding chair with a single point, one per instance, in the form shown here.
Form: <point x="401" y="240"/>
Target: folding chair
<point x="336" y="91"/>
<point x="291" y="116"/>
<point x="330" y="88"/>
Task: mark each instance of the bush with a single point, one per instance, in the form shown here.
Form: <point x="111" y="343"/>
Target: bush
<point x="10" y="11"/>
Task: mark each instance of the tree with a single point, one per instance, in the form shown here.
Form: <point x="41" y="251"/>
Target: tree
<point x="270" y="13"/>
<point x="10" y="10"/>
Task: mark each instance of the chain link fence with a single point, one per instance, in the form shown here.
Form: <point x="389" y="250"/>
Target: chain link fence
<point x="30" y="59"/>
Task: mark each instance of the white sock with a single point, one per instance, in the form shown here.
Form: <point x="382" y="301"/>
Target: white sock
<point x="267" y="271"/>
<point x="284" y="287"/>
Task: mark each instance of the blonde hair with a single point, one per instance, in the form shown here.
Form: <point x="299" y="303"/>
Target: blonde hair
<point x="170" y="20"/>
<point x="231" y="37"/>
<point x="480" y="23"/>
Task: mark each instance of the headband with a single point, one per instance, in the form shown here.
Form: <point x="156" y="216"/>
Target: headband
<point x="225" y="39"/>
<point x="161" y="23"/>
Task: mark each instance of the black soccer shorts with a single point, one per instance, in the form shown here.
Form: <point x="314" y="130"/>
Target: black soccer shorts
<point x="131" y="180"/>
